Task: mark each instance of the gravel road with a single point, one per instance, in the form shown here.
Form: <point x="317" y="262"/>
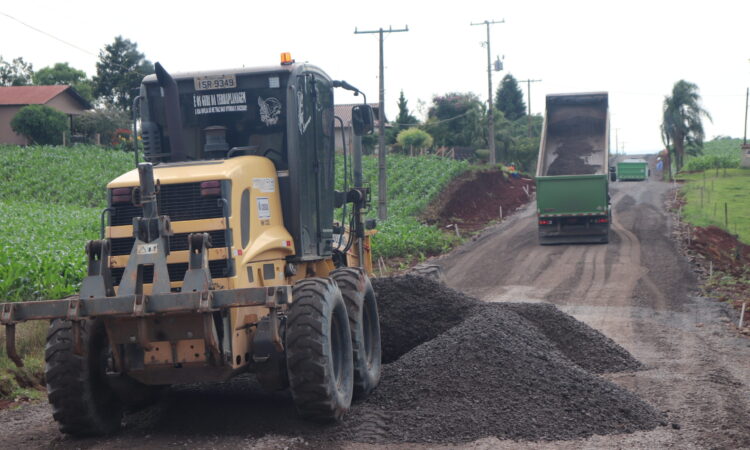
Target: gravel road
<point x="638" y="291"/>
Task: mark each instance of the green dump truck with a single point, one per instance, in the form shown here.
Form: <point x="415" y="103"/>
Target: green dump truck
<point x="632" y="169"/>
<point x="572" y="185"/>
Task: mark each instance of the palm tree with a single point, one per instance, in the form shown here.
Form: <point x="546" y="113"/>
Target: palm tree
<point x="681" y="124"/>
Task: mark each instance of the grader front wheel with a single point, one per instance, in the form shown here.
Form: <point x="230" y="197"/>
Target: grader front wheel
<point x="83" y="404"/>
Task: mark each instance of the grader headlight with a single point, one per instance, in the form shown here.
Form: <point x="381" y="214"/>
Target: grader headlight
<point x="122" y="195"/>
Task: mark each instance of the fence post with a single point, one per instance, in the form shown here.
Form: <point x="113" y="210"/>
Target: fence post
<point x="726" y="216"/>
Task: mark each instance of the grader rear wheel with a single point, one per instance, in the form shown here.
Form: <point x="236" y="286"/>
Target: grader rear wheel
<point x="83" y="403"/>
<point x="319" y="351"/>
<point x="362" y="309"/>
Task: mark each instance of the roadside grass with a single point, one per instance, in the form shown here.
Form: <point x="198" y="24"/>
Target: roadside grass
<point x="21" y="383"/>
<point x="706" y="195"/>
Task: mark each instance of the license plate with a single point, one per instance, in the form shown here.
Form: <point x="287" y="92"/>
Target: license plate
<point x="210" y="82"/>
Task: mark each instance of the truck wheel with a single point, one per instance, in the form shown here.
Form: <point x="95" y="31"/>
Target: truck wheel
<point x="431" y="271"/>
<point x="83" y="404"/>
<point x="319" y="351"/>
<point x="362" y="309"/>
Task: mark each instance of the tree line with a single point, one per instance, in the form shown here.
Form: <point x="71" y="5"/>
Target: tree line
<point x="458" y="120"/>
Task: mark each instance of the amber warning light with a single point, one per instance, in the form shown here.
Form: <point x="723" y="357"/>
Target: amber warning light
<point x="286" y="59"/>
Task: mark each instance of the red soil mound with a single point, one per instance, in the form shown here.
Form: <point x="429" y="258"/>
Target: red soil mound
<point x="475" y="198"/>
<point x="727" y="253"/>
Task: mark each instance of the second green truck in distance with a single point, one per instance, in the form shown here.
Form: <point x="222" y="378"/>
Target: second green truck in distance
<point x="572" y="182"/>
<point x="632" y="169"/>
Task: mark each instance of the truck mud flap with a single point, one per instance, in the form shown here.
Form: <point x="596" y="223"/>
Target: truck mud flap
<point x="588" y="239"/>
<point x="583" y="236"/>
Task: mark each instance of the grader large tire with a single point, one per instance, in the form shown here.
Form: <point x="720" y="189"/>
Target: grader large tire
<point x="319" y="351"/>
<point x="362" y="309"/>
<point x="83" y="404"/>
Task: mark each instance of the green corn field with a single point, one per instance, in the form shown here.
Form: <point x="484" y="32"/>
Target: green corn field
<point x="51" y="199"/>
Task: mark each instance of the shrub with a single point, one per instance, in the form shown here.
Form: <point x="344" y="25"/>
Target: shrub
<point x="414" y="138"/>
<point x="40" y="124"/>
<point x="104" y="122"/>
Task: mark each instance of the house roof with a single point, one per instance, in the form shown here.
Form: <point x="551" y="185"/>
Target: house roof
<point x="37" y="95"/>
<point x="345" y="112"/>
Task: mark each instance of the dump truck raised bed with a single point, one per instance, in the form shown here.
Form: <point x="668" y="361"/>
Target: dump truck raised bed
<point x="572" y="185"/>
<point x="632" y="169"/>
<point x="220" y="256"/>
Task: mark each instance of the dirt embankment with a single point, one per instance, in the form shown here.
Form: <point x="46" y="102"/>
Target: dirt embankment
<point x="726" y="252"/>
<point x="722" y="262"/>
<point x="478" y="197"/>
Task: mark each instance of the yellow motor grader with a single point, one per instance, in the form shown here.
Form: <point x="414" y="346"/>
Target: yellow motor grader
<point x="220" y="255"/>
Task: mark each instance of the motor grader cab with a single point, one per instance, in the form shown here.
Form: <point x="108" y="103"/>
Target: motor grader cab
<point x="220" y="256"/>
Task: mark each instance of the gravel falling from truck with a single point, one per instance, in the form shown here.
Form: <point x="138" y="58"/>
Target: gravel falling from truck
<point x="464" y="370"/>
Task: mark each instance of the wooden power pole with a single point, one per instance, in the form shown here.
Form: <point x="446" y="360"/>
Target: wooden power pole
<point x="382" y="185"/>
<point x="491" y="115"/>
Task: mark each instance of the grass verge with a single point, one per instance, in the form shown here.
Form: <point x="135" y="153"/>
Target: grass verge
<point x="24" y="383"/>
<point x="710" y="193"/>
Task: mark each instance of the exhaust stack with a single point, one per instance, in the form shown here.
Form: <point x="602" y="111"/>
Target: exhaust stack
<point x="172" y="112"/>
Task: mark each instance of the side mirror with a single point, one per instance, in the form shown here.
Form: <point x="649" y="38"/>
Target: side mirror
<point x="363" y="120"/>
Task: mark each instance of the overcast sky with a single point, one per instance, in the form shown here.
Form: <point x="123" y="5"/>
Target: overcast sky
<point x="636" y="50"/>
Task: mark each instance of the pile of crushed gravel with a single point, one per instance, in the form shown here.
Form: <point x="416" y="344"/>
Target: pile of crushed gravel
<point x="469" y="370"/>
<point x="415" y="309"/>
<point x="583" y="345"/>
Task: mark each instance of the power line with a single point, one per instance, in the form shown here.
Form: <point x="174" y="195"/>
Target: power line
<point x="382" y="186"/>
<point x="48" y="34"/>
<point x="491" y="116"/>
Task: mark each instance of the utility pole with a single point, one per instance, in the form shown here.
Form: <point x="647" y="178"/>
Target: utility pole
<point x="491" y="115"/>
<point x="382" y="185"/>
<point x="617" y="143"/>
<point x="747" y="97"/>
<point x="528" y="99"/>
